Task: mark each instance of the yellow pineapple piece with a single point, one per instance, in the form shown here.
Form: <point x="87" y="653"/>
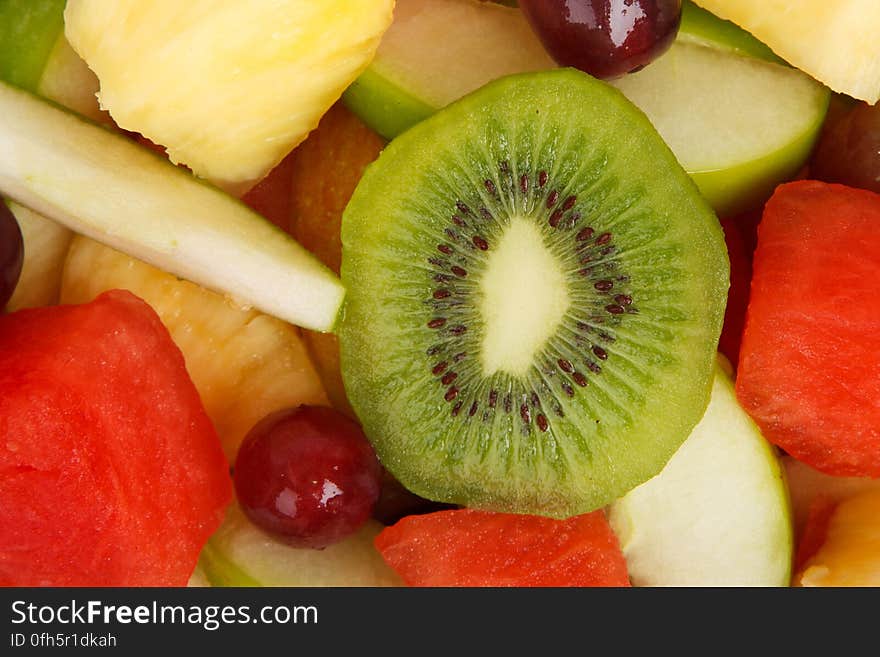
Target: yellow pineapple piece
<point x="229" y="87"/>
<point x="243" y="363"/>
<point x="850" y="555"/>
<point x="835" y="41"/>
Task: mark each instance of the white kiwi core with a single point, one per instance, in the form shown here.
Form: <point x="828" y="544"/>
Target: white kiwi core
<point x="524" y="296"/>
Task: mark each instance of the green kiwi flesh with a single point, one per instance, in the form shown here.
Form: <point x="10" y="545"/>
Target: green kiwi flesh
<point x="535" y="295"/>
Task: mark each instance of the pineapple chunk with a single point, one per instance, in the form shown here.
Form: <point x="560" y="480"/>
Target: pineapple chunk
<point x="243" y="363"/>
<point x="835" y="42"/>
<point x="229" y="87"/>
<point x="850" y="555"/>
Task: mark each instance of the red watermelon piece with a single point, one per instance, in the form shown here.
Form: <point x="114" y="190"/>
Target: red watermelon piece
<point x="469" y="548"/>
<point x="809" y="368"/>
<point x="111" y="473"/>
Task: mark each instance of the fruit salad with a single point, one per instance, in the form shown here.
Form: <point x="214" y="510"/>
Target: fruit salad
<point x="439" y="293"/>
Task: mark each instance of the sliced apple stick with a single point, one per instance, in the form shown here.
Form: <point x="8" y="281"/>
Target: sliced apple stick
<point x="108" y="188"/>
<point x="718" y="514"/>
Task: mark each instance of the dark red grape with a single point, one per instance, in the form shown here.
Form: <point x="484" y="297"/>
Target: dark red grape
<point x="849" y="149"/>
<point x="605" y="38"/>
<point x="11" y="253"/>
<point x="308" y="475"/>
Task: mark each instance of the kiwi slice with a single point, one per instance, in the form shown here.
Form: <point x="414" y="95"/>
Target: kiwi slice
<point x="535" y="295"/>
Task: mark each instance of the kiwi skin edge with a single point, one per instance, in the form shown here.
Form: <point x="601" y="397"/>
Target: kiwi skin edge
<point x="621" y="427"/>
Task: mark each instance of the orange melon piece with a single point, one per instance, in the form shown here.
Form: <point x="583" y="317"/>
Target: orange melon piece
<point x="244" y="364"/>
<point x="850" y="554"/>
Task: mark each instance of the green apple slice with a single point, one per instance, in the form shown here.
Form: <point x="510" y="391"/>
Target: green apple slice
<point x="718" y="514"/>
<point x="35" y="55"/>
<point x="739" y="124"/>
<point x="239" y="554"/>
<point x="29" y="30"/>
<point x="436" y="51"/>
<point x="706" y="29"/>
<point x="107" y="187"/>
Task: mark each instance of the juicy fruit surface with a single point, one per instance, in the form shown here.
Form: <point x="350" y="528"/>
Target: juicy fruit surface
<point x="326" y="169"/>
<point x="52" y="161"/>
<point x="834" y="42"/>
<point x="11" y="253"/>
<point x="244" y="364"/>
<point x="645" y="275"/>
<point x="435" y="52"/>
<point x="849" y="151"/>
<point x="604" y="38"/>
<point x="45" y="248"/>
<point x="240" y="554"/>
<point x="749" y="123"/>
<point x="472" y="548"/>
<point x="111" y="471"/>
<point x="718" y="514"/>
<point x="811" y="347"/>
<point x="705" y="28"/>
<point x="307" y="474"/>
<point x="228" y="87"/>
<point x="850" y="553"/>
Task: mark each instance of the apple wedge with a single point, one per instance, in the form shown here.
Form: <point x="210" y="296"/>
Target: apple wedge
<point x="29" y="30"/>
<point x="739" y="126"/>
<point x="738" y="123"/>
<point x="718" y="514"/>
<point x="835" y="42"/>
<point x="239" y="554"/>
<point x="704" y="28"/>
<point x="107" y="187"/>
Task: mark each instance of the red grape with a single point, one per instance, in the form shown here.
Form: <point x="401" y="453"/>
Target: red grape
<point x="605" y="38"/>
<point x="849" y="150"/>
<point x="11" y="253"/>
<point x="307" y="474"/>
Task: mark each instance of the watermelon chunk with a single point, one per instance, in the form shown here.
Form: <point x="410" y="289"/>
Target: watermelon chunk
<point x="469" y="548"/>
<point x="111" y="473"/>
<point x="809" y="368"/>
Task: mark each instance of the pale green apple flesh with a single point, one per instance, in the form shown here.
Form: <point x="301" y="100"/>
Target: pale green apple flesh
<point x="706" y="29"/>
<point x="718" y="514"/>
<point x="29" y="30"/>
<point x="111" y="189"/>
<point x="239" y="554"/>
<point x="739" y="124"/>
<point x="435" y="52"/>
<point x="35" y="55"/>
